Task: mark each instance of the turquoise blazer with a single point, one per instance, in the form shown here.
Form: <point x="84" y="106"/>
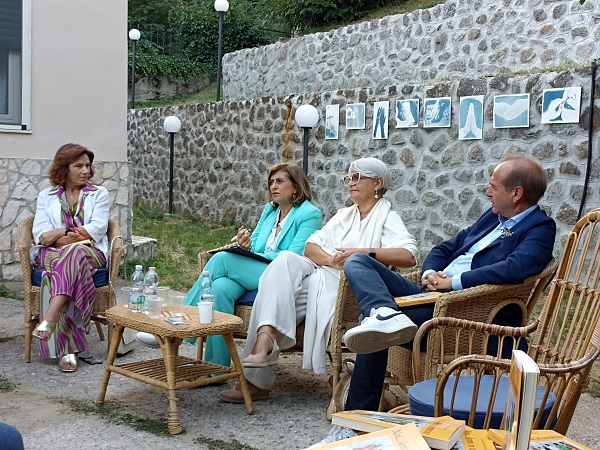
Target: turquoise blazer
<point x="302" y="221"/>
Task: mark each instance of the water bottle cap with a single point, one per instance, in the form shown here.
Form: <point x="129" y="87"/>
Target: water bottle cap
<point x="152" y="268"/>
<point x="205" y="273"/>
<point x="138" y="267"/>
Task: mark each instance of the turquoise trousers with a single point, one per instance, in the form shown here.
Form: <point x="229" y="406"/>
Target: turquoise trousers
<point x="232" y="275"/>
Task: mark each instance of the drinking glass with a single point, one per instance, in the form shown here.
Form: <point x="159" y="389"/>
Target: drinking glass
<point x="177" y="305"/>
<point x="154" y="306"/>
<point x="123" y="299"/>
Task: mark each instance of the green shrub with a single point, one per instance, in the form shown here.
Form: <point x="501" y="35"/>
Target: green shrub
<point x="303" y="14"/>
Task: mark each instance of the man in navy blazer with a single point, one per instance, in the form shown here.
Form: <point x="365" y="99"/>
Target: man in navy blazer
<point x="510" y="242"/>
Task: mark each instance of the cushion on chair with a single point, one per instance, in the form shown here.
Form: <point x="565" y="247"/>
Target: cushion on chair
<point x="100" y="277"/>
<point x="421" y="399"/>
<point x="248" y="298"/>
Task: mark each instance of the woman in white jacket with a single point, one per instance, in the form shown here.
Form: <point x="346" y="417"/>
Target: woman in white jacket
<point x="70" y="225"/>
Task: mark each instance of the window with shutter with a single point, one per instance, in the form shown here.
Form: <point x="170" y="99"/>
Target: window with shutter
<point x="12" y="67"/>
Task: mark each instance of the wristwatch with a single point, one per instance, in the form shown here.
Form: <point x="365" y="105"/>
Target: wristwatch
<point x="372" y="253"/>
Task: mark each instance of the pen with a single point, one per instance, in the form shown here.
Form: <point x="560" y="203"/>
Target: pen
<point x="233" y="239"/>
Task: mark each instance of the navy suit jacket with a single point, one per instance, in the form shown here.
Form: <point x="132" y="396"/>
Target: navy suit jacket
<point x="507" y="260"/>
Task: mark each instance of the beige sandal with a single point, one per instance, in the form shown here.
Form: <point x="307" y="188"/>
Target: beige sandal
<point x="261" y="364"/>
<point x="44" y="330"/>
<point x="69" y="359"/>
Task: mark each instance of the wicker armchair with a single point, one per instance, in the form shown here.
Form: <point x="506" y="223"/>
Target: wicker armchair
<point x="105" y="295"/>
<point x="564" y="341"/>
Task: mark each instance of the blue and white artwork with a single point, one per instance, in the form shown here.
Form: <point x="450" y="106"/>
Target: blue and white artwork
<point x="380" y="119"/>
<point x="561" y="105"/>
<point x="332" y="121"/>
<point x="355" y="116"/>
<point x="407" y="113"/>
<point x="511" y="111"/>
<point x="437" y="112"/>
<point x="470" y="118"/>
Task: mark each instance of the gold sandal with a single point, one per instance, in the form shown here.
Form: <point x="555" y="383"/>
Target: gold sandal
<point x="44" y="330"/>
<point x="69" y="359"/>
<point x="261" y="364"/>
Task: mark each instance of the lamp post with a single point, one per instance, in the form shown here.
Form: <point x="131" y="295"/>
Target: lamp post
<point x="134" y="36"/>
<point x="307" y="117"/>
<point x="221" y="6"/>
<point x="172" y="125"/>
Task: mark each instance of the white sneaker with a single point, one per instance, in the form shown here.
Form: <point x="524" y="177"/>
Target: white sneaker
<point x="336" y="433"/>
<point x="384" y="328"/>
<point x="147" y="339"/>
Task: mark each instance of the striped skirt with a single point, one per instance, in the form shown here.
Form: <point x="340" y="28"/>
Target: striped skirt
<point x="68" y="271"/>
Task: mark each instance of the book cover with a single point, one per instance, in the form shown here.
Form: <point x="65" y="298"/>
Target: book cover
<point x="417" y="299"/>
<point x="542" y="440"/>
<point x="520" y="405"/>
<point x="473" y="439"/>
<point x="439" y="432"/>
<point x="403" y="437"/>
<point x="243" y="252"/>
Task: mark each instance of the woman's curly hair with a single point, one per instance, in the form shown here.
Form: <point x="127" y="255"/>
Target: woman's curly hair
<point x="65" y="155"/>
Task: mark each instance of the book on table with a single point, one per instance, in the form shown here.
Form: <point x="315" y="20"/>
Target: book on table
<point x="520" y="405"/>
<point x="405" y="437"/>
<point x="473" y="439"/>
<point x="417" y="299"/>
<point x="243" y="252"/>
<point x="541" y="440"/>
<point x="439" y="432"/>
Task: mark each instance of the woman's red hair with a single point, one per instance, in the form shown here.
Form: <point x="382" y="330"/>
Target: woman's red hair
<point x="65" y="155"/>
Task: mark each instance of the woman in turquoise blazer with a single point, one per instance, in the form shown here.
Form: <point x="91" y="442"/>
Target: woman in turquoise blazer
<point x="285" y="224"/>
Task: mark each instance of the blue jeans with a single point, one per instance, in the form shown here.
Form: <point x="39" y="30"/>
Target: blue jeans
<point x="376" y="286"/>
<point x="10" y="438"/>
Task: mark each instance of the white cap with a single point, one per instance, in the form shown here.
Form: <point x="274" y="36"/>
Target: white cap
<point x="138" y="267"/>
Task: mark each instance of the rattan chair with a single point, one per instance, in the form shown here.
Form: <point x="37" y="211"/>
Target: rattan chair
<point x="105" y="295"/>
<point x="479" y="304"/>
<point x="564" y="340"/>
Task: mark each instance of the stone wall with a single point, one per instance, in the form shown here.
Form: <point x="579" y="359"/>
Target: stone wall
<point x="223" y="151"/>
<point x="460" y="38"/>
<point x="20" y="182"/>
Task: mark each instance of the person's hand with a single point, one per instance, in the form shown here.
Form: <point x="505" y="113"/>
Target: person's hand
<point x="243" y="238"/>
<point x="437" y="282"/>
<point x="340" y="257"/>
<point x="47" y="238"/>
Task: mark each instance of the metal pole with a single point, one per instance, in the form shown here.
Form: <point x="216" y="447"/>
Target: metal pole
<point x="172" y="158"/>
<point x="220" y="55"/>
<point x="133" y="75"/>
<point x="305" y="153"/>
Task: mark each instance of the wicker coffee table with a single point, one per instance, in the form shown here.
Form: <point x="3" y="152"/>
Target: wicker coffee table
<point x="173" y="372"/>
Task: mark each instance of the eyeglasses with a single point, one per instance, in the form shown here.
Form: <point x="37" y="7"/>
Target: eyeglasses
<point x="354" y="178"/>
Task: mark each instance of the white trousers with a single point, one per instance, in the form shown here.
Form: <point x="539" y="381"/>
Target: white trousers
<point x="281" y="303"/>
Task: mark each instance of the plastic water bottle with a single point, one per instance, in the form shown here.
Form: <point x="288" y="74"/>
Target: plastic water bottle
<point x="151" y="282"/>
<point x="136" y="294"/>
<point x="206" y="289"/>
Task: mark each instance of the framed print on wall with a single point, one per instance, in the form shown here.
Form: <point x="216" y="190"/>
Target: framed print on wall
<point x="332" y="121"/>
<point x="470" y="118"/>
<point x="561" y="105"/>
<point x="380" y="119"/>
<point x="355" y="116"/>
<point x="511" y="111"/>
<point x="437" y="112"/>
<point x="407" y="113"/>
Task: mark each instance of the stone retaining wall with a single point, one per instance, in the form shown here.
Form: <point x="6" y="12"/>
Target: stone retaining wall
<point x="223" y="151"/>
<point x="460" y="38"/>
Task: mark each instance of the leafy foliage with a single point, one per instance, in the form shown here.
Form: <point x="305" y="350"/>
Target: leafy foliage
<point x="180" y="37"/>
<point x="303" y="14"/>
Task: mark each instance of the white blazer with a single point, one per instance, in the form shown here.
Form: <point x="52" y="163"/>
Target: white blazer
<point x="48" y="216"/>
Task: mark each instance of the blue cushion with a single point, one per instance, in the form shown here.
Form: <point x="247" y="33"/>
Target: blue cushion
<point x="421" y="399"/>
<point x="248" y="298"/>
<point x="100" y="277"/>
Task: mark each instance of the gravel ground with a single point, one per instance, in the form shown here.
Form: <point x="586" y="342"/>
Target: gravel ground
<point x="41" y="405"/>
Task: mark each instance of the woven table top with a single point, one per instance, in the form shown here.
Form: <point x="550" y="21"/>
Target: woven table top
<point x="221" y="324"/>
